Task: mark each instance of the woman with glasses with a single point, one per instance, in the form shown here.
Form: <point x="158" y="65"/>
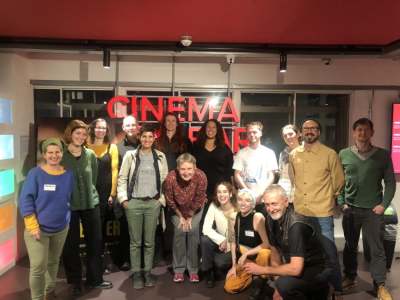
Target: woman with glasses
<point x="107" y="174"/>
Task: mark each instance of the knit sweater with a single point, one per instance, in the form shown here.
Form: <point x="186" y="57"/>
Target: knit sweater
<point x="84" y="195"/>
<point x="216" y="224"/>
<point x="363" y="179"/>
<point x="47" y="197"/>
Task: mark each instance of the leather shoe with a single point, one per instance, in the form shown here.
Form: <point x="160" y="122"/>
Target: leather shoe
<point x="76" y="290"/>
<point x="125" y="266"/>
<point x="138" y="282"/>
<point x="149" y="280"/>
<point x="210" y="279"/>
<point x="257" y="288"/>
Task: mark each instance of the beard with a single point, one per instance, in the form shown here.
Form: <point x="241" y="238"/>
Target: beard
<point x="310" y="139"/>
<point x="277" y="215"/>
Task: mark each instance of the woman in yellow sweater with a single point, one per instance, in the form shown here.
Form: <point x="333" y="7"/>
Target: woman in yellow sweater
<point x="107" y="175"/>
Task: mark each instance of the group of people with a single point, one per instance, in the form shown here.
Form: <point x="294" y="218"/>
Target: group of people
<point x="273" y="233"/>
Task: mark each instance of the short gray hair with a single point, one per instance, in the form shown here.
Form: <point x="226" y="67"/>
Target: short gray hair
<point x="185" y="157"/>
<point x="275" y="189"/>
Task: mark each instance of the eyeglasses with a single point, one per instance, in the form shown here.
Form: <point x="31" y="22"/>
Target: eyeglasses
<point x="311" y="128"/>
<point x="100" y="128"/>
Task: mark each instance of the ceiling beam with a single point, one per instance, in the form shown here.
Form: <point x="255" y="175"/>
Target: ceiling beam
<point x="99" y="45"/>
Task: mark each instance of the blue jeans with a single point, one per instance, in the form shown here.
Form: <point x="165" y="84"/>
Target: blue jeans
<point x="333" y="272"/>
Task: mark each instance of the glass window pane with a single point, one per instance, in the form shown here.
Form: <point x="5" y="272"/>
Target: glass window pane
<point x="328" y="109"/>
<point x="271" y="109"/>
<point x="6" y="182"/>
<point x="6" y="111"/>
<point x="47" y="103"/>
<point x="6" y="146"/>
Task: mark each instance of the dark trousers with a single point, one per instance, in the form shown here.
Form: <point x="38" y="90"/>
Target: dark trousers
<point x="169" y="231"/>
<point x="332" y="272"/>
<point x="389" y="247"/>
<point x="120" y="253"/>
<point x="212" y="256"/>
<point x="300" y="288"/>
<point x="354" y="220"/>
<point x="91" y="224"/>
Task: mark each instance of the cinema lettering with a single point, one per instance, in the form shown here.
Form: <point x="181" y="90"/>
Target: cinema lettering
<point x="189" y="110"/>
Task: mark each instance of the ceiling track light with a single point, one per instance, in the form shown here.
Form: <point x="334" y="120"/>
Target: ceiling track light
<point x="106" y="58"/>
<point x="283" y="63"/>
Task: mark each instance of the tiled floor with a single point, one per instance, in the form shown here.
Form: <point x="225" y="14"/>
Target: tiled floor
<point x="14" y="286"/>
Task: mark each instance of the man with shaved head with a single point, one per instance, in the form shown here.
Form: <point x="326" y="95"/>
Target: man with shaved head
<point x="318" y="178"/>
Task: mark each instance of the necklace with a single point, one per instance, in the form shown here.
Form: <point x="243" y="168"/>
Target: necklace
<point x="74" y="151"/>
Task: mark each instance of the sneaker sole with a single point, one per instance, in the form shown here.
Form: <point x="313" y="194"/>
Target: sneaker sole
<point x="138" y="287"/>
<point x="149" y="284"/>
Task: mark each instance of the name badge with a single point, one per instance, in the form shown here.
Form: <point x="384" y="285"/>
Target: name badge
<point x="50" y="187"/>
<point x="249" y="233"/>
<point x="250" y="180"/>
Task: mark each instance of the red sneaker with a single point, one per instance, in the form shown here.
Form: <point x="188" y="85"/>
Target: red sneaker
<point x="194" y="278"/>
<point x="178" y="277"/>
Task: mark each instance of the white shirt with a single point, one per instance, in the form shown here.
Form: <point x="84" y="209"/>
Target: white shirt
<point x="216" y="216"/>
<point x="255" y="165"/>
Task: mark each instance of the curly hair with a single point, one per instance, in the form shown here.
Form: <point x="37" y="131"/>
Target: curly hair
<point x="202" y="136"/>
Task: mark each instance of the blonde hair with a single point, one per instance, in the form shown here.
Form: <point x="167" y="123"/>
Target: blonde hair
<point x="248" y="195"/>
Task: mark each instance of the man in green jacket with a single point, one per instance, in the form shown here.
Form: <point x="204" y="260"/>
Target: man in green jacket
<point x="363" y="202"/>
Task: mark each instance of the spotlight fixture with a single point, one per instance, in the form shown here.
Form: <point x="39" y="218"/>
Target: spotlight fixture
<point x="186" y="40"/>
<point x="283" y="63"/>
<point x="106" y="58"/>
<point x="326" y="61"/>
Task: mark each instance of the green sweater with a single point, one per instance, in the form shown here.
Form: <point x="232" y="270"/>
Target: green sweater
<point x="363" y="179"/>
<point x="84" y="195"/>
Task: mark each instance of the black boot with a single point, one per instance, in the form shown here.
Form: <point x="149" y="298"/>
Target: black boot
<point x="257" y="288"/>
<point x="210" y="278"/>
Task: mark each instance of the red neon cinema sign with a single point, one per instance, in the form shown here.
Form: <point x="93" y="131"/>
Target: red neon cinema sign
<point x="187" y="107"/>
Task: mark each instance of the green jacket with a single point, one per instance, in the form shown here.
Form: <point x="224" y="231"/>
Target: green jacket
<point x="84" y="195"/>
<point x="363" y="179"/>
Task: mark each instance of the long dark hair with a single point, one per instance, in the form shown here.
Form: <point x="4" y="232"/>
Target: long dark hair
<point x="92" y="127"/>
<point x="178" y="144"/>
<point x="202" y="136"/>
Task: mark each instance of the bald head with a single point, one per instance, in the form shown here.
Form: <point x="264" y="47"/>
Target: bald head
<point x="129" y="126"/>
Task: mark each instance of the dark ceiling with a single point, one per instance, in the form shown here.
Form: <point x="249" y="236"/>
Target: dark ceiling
<point x="339" y="25"/>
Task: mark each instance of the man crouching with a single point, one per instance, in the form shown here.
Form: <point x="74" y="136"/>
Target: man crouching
<point x="297" y="256"/>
